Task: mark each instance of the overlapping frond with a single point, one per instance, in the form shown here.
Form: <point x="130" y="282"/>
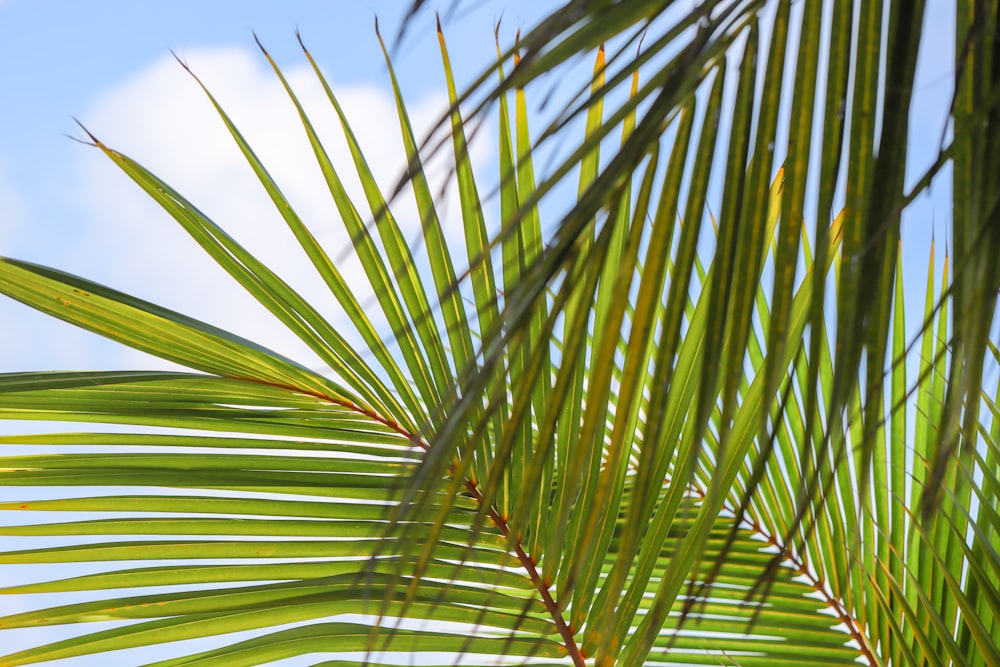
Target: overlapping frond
<point x="642" y="438"/>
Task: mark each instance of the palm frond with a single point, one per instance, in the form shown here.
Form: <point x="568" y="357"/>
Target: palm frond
<point x="638" y="441"/>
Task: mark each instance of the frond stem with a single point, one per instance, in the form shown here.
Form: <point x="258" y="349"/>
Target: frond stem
<point x="565" y="632"/>
<point x="536" y="579"/>
<point x="801" y="566"/>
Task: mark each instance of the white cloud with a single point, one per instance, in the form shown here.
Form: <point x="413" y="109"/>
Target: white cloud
<point x="162" y="119"/>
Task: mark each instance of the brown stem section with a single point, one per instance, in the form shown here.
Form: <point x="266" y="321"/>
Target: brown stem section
<point x="529" y="565"/>
<point x="852" y="624"/>
<point x="499" y="521"/>
<point x="801" y="566"/>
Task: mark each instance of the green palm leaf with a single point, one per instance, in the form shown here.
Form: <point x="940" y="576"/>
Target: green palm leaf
<point x="638" y="440"/>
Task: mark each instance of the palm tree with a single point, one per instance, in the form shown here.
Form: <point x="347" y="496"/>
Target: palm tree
<point x="625" y="438"/>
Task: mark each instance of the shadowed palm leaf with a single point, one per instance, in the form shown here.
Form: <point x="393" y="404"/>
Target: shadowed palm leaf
<point x="578" y="438"/>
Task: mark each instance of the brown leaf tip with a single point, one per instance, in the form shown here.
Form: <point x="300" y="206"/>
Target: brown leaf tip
<point x="437" y="18"/>
<point x="181" y="62"/>
<point x="194" y="76"/>
<point x="93" y="141"/>
<point x="261" y="46"/>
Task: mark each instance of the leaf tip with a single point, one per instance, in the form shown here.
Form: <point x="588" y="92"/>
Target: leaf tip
<point x="187" y="68"/>
<point x="302" y="44"/>
<point x="181" y="62"/>
<point x="93" y="141"/>
<point x="261" y="46"/>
